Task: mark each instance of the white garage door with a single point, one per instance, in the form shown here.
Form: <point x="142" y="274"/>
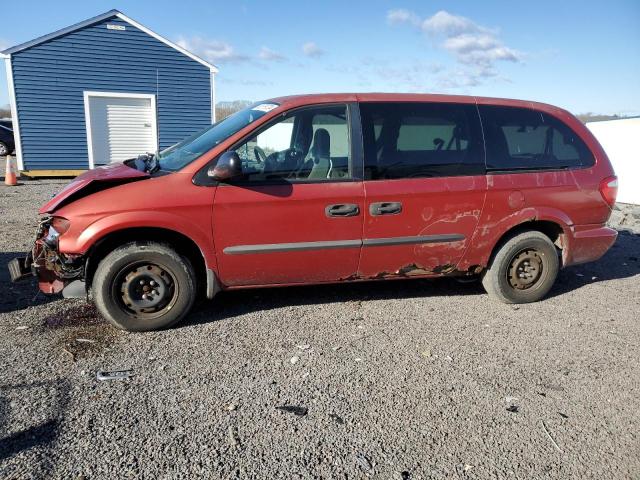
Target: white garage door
<point x="119" y="126"/>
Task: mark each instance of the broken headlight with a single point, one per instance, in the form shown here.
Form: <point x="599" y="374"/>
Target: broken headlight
<point x="57" y="226"/>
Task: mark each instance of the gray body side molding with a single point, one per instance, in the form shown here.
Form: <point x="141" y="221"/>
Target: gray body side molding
<point x="367" y="242"/>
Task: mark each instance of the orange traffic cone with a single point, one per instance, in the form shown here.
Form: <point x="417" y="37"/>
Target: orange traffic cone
<point x="10" y="175"/>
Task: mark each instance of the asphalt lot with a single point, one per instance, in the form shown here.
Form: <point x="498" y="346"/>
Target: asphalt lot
<point x="406" y="379"/>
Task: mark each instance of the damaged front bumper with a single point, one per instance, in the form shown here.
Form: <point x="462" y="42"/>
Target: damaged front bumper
<point x="56" y="271"/>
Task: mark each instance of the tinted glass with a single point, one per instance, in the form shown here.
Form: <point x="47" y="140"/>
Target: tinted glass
<point x="406" y="140"/>
<point x="311" y="144"/>
<point x="523" y="139"/>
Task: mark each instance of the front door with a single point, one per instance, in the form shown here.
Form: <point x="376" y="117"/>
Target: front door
<point x="296" y="214"/>
<point x="119" y="126"/>
<point x="424" y="186"/>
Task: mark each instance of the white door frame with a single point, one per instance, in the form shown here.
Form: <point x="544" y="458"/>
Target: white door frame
<point x="87" y="115"/>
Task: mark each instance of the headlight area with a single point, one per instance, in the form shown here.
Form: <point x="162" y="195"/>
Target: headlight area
<point x="55" y="226"/>
<point x="52" y="268"/>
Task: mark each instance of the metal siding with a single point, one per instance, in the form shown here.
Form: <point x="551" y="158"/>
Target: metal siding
<point x="50" y="79"/>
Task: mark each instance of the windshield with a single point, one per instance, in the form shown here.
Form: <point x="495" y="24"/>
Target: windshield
<point x="181" y="154"/>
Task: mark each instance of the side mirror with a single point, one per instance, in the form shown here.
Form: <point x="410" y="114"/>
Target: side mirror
<point x="226" y="168"/>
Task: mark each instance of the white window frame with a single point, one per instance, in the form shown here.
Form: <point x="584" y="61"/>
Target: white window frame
<point x="87" y="115"/>
<point x="14" y="112"/>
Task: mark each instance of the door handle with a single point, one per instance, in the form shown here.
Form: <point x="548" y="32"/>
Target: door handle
<point x="385" y="208"/>
<point x="342" y="210"/>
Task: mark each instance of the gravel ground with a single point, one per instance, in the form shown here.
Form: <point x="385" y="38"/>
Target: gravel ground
<point x="406" y="379"/>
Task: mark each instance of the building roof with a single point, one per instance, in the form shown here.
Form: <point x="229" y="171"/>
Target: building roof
<point x="98" y="19"/>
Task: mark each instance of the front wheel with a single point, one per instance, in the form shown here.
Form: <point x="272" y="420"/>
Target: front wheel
<point x="144" y="286"/>
<point x="524" y="269"/>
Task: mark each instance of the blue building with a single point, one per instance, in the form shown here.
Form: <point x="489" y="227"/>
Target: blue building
<point x="104" y="90"/>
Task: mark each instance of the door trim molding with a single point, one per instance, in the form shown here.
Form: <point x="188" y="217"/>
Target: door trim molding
<point x="386" y="242"/>
<point x="87" y="115"/>
<point x="324" y="245"/>
<point x="291" y="247"/>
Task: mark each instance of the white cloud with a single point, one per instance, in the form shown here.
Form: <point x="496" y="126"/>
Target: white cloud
<point x="4" y="44"/>
<point x="271" y="55"/>
<point x="445" y="23"/>
<point x="311" y="49"/>
<point x="215" y="51"/>
<point x="401" y="15"/>
<point x="472" y="45"/>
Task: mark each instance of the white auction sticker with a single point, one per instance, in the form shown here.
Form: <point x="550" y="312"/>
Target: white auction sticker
<point x="265" y="107"/>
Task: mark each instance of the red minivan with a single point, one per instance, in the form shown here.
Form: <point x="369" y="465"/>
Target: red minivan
<point x="331" y="188"/>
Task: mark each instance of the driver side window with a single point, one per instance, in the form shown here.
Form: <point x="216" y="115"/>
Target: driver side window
<point x="310" y="144"/>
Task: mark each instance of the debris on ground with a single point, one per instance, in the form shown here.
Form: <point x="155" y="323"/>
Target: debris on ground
<point x="114" y="374"/>
<point x="21" y="327"/>
<point x="231" y="407"/>
<point x="363" y="462"/>
<point x="70" y="353"/>
<point x="295" y="409"/>
<point x="293" y="360"/>
<point x="304" y="347"/>
<point x="85" y="340"/>
<point x="233" y="436"/>
<point x="544" y="427"/>
<point x="426" y="353"/>
<point x="336" y="418"/>
<point x="563" y="415"/>
<point x="513" y="409"/>
<point x="404" y="475"/>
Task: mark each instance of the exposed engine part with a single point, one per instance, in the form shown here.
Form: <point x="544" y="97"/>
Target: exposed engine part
<point x="45" y="256"/>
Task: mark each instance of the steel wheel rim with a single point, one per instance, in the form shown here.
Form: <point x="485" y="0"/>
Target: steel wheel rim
<point x="526" y="269"/>
<point x="145" y="290"/>
<point x="4" y="150"/>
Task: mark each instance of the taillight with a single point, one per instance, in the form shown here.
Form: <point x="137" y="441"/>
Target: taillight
<point x="609" y="190"/>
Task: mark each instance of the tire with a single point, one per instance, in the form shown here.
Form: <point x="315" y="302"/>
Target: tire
<point x="4" y="149"/>
<point x="523" y="270"/>
<point x="143" y="286"/>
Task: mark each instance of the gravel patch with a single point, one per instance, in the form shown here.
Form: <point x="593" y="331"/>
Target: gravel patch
<point x="404" y="379"/>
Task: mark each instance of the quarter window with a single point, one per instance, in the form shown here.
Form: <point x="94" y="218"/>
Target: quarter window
<point x="524" y="139"/>
<point x="405" y="140"/>
<point x="311" y="144"/>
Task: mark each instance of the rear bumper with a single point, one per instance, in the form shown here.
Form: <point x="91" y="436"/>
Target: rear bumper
<point x="589" y="243"/>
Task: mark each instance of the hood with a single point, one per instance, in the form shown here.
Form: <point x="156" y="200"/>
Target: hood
<point x="92" y="181"/>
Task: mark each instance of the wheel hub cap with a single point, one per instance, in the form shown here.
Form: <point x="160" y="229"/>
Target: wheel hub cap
<point x="525" y="269"/>
<point x="147" y="289"/>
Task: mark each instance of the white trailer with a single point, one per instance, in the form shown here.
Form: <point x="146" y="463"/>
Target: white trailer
<point x="621" y="140"/>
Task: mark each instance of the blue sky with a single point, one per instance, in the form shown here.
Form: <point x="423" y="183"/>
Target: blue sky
<point x="580" y="55"/>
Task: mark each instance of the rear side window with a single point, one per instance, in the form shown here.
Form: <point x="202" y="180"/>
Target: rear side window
<point x="524" y="139"/>
<point x="408" y="140"/>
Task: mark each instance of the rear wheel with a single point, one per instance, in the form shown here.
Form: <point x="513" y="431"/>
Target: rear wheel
<point x="144" y="286"/>
<point x="523" y="270"/>
<point x="4" y="149"/>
